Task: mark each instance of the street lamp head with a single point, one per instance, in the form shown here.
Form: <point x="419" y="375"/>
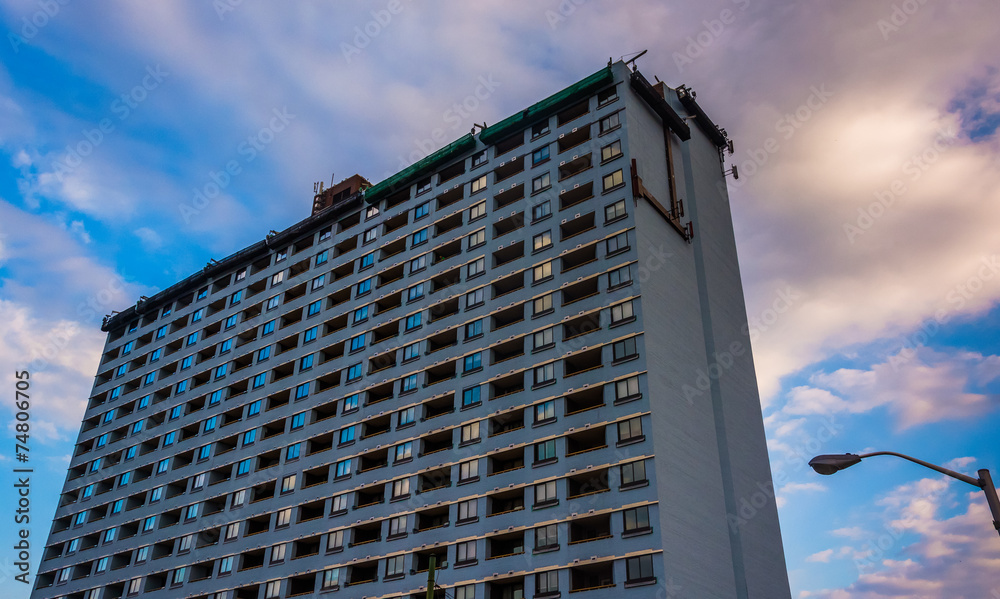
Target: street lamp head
<point x="830" y="463"/>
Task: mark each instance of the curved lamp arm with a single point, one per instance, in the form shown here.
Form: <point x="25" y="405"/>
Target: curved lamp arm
<point x="978" y="483"/>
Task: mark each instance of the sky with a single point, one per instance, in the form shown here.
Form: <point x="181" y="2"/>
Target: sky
<point x="139" y="140"/>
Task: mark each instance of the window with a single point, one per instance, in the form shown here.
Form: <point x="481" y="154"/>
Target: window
<point x="156" y="354"/>
<point x="471" y="396"/>
<point x="280" y="255"/>
<point x="397" y="526"/>
<point x="339" y="504"/>
<point x="540" y="183"/>
<point x="478" y="184"/>
<point x="263" y="353"/>
<point x="473" y="362"/>
<point x="133" y="585"/>
<point x="542" y="272"/>
<point x="196" y="316"/>
<point x="267" y="329"/>
<point x="613" y="180"/>
<point x="210" y="424"/>
<point x="477" y="239"/>
<point x="226" y="565"/>
<point x="539" y="129"/>
<point x="102" y="440"/>
<point x="542" y="305"/>
<point x="633" y="474"/>
<point x="220" y="371"/>
<point x="400" y="488"/>
<point x="354" y="372"/>
<point x="249" y="437"/>
<point x="306" y="362"/>
<point x="149" y="524"/>
<point x="413" y="321"/>
<point x="232" y="531"/>
<point x="358" y="342"/>
<point x="547" y="583"/>
<point x="95" y="465"/>
<point x="465" y="592"/>
<point x="630" y="430"/>
<point x="545" y="374"/>
<point x="80" y="518"/>
<point x="117" y="391"/>
<point x="612" y="150"/>
<point x="617" y="244"/>
<point x="363" y="288"/>
<point x="411" y="352"/>
<point x="475" y="298"/>
<point x="468" y="470"/>
<point x="310" y="335"/>
<point x="278" y="553"/>
<point x="607" y="96"/>
<point x="370" y="235"/>
<point x="417" y="264"/>
<point x="272" y="590"/>
<point x="161" y="332"/>
<point x="545" y="411"/>
<point x="421" y="211"/>
<point x="541" y="241"/>
<point x="124" y="479"/>
<point x="547" y="537"/>
<point x="540" y="211"/>
<point x="465" y="552"/>
<point x="545" y="494"/>
<point x="239" y="497"/>
<point x="342" y="469"/>
<point x="156" y="495"/>
<point x="470" y="433"/>
<point x="187" y="362"/>
<point x="361" y="314"/>
<point x="409" y="384"/>
<point x="407" y="417"/>
<point x="88" y="491"/>
<point x="479" y="158"/>
<point x="241" y="275"/>
<point x="414" y="293"/>
<point x="121" y="370"/>
<point x="102" y="565"/>
<point x="404" y="451"/>
<point x="544" y="339"/>
<point x="127" y="348"/>
<point x="609" y="123"/>
<point x="288" y="484"/>
<point x="284" y="518"/>
<point x="394" y="566"/>
<point x="258" y="381"/>
<point x="476" y="268"/>
<point x="331" y="577"/>
<point x="232" y="320"/>
<point x="620" y="277"/>
<point x="624" y="349"/>
<point x="321" y="257"/>
<point x="272" y="302"/>
<point x="204" y="452"/>
<point x="371" y="212"/>
<point x="545" y="451"/>
<point x="367" y="261"/>
<point x="318" y="282"/>
<point x="418" y="238"/>
<point x="474" y="329"/>
<point x="423" y="186"/>
<point x="636" y="519"/>
<point x="622" y="313"/>
<point x="348" y="434"/>
<point x="477" y="211"/>
<point x="298" y="420"/>
<point x="277" y="278"/>
<point x="540" y="155"/>
<point x="350" y="404"/>
<point x="467" y="510"/>
<point x="109" y="415"/>
<point x="293" y="451"/>
<point x="191" y="512"/>
<point x="243" y="467"/>
<point x="254" y="408"/>
<point x="142" y="554"/>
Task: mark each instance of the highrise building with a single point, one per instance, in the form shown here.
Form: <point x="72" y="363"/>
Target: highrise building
<point x="523" y="359"/>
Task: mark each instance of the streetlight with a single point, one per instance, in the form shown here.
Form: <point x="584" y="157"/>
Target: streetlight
<point x="831" y="463"/>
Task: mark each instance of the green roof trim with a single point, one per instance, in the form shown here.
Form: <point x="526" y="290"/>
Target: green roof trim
<point x="546" y="107"/>
<point x="431" y="162"/>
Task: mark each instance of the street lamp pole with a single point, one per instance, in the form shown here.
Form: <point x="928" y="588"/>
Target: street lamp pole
<point x="832" y="463"/>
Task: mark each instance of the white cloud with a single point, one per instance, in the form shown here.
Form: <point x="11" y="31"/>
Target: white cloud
<point x="150" y="239"/>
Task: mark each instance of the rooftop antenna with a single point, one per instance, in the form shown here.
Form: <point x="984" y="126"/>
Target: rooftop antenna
<point x="331" y="179"/>
<point x="632" y="60"/>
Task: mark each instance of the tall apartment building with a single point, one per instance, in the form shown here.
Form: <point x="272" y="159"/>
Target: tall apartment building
<point x="505" y="358"/>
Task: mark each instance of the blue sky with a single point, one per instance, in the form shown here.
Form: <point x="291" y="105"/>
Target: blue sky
<point x="866" y="211"/>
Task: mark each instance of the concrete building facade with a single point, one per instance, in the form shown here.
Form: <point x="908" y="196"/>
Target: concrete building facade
<point x="524" y="359"/>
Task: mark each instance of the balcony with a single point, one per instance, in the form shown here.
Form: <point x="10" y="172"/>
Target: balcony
<point x="430" y="519"/>
<point x="581" y="362"/>
<point x="586" y="440"/>
<point x="505" y="545"/>
<point x="505" y="502"/>
<point x="579" y="224"/>
<point x="506" y="461"/>
<point x="590" y="529"/>
<point x="588" y="483"/>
